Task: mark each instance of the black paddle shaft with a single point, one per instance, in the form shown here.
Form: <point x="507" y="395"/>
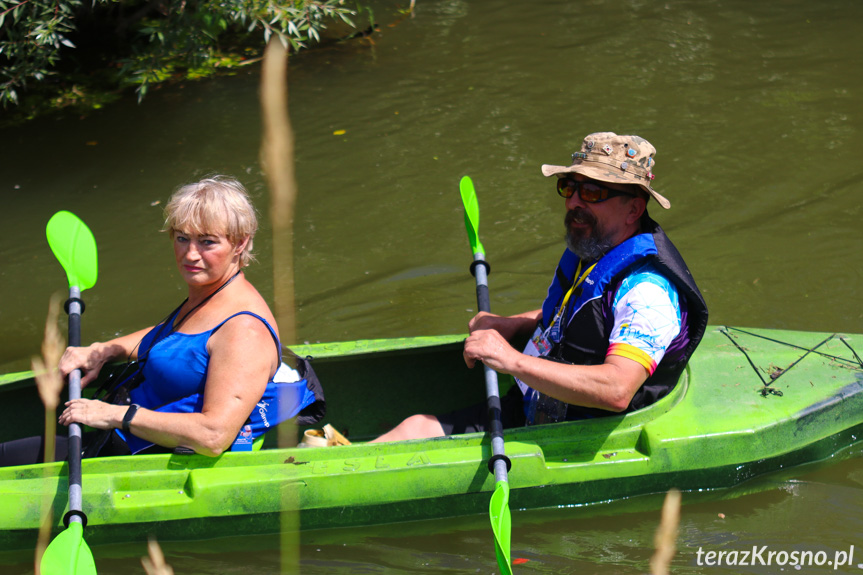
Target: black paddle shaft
<point x="482" y="298"/>
<point x="480" y="270"/>
<point x="74" y="308"/>
<point x="74" y="329"/>
<point x="494" y="410"/>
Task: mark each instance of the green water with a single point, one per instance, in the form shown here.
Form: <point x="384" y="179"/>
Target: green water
<point x="754" y="108"/>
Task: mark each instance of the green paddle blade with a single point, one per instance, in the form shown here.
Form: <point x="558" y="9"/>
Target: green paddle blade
<point x="501" y="525"/>
<point x="471" y="214"/>
<point x="75" y="247"/>
<point x="68" y="554"/>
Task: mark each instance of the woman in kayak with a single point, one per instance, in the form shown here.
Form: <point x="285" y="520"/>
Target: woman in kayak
<point x="209" y="377"/>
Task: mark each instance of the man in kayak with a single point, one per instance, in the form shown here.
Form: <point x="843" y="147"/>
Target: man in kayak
<point x="622" y="315"/>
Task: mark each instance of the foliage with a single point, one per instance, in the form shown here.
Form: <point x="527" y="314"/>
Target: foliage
<point x="31" y="33"/>
<point x="144" y="42"/>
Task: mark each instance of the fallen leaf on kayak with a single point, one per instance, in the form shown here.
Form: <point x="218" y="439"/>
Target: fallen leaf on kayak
<point x="339" y="132"/>
<point x="519" y="561"/>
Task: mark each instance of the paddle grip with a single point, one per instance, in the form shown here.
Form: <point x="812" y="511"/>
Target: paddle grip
<point x="74" y="327"/>
<point x="495" y="427"/>
<point x="480" y="268"/>
<point x="482" y="298"/>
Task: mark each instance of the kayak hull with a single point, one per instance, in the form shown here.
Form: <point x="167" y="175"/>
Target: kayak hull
<point x="751" y="402"/>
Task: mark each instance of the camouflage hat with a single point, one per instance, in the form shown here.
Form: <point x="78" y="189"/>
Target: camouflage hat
<point x="607" y="157"/>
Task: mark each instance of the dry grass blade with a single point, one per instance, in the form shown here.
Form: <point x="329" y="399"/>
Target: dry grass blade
<point x="155" y="564"/>
<point x="665" y="539"/>
<point x="277" y="157"/>
<point x="50" y="384"/>
<point x="48" y="379"/>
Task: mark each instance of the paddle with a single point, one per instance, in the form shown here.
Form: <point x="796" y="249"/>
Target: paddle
<point x="501" y="521"/>
<point x="74" y="246"/>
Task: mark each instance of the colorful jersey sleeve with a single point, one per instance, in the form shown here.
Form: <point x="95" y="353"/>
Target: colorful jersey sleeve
<point x="646" y="317"/>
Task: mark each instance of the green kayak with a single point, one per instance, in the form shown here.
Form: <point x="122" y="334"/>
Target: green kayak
<point x="751" y="402"/>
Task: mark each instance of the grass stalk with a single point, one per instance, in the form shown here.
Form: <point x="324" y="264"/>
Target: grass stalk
<point x="49" y="384"/>
<point x="277" y="157"/>
<point x="155" y="563"/>
<point x="665" y="539"/>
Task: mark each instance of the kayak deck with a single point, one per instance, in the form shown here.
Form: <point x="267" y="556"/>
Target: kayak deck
<point x="750" y="402"/>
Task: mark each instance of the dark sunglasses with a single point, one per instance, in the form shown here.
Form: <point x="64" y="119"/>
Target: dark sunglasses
<point x="589" y="192"/>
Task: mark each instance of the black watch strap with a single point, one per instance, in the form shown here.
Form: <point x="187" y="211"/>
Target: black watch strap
<point x="130" y="414"/>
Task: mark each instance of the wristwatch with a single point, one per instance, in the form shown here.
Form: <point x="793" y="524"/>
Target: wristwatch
<point x="130" y="414"/>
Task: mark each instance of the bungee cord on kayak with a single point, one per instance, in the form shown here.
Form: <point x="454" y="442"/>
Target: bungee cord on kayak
<point x="776" y="373"/>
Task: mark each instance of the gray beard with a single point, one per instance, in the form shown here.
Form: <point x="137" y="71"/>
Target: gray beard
<point x="590" y="248"/>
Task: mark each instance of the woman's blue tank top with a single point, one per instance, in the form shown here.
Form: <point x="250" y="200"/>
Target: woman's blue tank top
<point x="176" y="365"/>
<point x="175" y="373"/>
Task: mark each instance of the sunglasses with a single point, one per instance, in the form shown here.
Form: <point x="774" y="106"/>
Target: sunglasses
<point x="589" y="192"/>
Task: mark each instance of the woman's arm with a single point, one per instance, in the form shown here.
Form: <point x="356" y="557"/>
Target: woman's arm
<point x="90" y="359"/>
<point x="243" y="358"/>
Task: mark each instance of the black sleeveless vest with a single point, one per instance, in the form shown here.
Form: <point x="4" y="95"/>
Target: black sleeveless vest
<point x="585" y="339"/>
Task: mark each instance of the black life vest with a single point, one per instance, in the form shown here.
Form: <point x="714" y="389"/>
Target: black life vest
<point x="584" y="340"/>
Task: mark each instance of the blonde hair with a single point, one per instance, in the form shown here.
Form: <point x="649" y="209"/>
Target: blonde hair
<point x="215" y="205"/>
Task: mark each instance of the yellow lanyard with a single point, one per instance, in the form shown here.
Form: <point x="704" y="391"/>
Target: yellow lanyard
<point x="578" y="281"/>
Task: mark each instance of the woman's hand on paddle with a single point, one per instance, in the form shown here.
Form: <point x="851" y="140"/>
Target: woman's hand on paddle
<point x="91" y="358"/>
<point x="489" y="347"/>
<point x="94" y="413"/>
<point x="88" y="359"/>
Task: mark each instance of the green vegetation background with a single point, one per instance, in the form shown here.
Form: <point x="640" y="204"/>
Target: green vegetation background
<point x="58" y="54"/>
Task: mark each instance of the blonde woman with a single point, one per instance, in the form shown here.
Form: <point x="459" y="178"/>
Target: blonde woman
<point x="210" y="376"/>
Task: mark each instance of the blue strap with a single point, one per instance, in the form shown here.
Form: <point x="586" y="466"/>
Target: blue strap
<point x="269" y="327"/>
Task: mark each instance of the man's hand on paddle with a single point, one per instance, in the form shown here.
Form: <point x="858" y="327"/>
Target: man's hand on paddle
<point x="489" y="347"/>
<point x="490" y="335"/>
<point x="507" y="326"/>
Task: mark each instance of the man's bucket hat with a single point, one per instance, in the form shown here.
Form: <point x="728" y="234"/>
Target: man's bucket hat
<point x="607" y="157"/>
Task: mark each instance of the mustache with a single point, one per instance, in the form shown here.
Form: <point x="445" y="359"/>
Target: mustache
<point x="579" y="216"/>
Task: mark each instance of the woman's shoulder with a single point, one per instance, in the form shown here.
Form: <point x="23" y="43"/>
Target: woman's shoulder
<point x="244" y="330"/>
<point x="247" y="310"/>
